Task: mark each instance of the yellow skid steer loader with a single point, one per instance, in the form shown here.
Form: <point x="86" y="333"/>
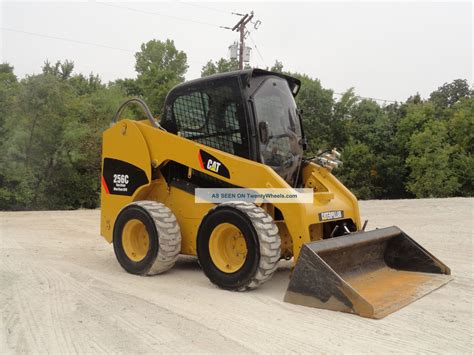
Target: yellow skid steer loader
<point x="243" y="130"/>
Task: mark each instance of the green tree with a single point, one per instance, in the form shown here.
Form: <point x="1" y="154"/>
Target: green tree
<point x="61" y="70"/>
<point x="160" y="66"/>
<point x="83" y="85"/>
<point x="376" y="127"/>
<point x="358" y="170"/>
<point x="76" y="181"/>
<point x="8" y="92"/>
<point x="50" y="158"/>
<point x="277" y="67"/>
<point x="343" y="108"/>
<point x="368" y="124"/>
<point x="430" y="162"/>
<point x="9" y="88"/>
<point x="414" y="121"/>
<point x="316" y="103"/>
<point x="450" y="93"/>
<point x="32" y="148"/>
<point x="219" y="66"/>
<point x="130" y="86"/>
<point x="461" y="132"/>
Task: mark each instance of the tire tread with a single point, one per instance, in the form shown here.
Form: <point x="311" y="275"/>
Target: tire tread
<point x="169" y="236"/>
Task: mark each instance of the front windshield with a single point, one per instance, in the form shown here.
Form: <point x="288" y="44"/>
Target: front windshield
<point x="282" y="150"/>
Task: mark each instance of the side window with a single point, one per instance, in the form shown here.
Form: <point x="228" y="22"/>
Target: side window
<point x="212" y="115"/>
<point x="191" y="112"/>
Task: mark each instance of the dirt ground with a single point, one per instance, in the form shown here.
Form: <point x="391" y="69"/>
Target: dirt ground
<point x="61" y="290"/>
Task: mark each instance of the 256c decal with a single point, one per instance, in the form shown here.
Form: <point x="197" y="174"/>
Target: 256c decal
<point x="122" y="178"/>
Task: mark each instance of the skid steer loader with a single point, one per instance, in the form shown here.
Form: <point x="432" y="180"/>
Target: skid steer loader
<point x="243" y="130"/>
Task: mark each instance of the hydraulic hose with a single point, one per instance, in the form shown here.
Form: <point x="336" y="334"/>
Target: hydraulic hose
<point x="143" y="105"/>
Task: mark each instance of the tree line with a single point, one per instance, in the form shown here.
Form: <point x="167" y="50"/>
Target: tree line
<point x="51" y="125"/>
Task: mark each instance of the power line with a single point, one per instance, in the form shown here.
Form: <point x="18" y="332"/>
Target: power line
<point x="240" y="27"/>
<point x="72" y="40"/>
<point x="206" y="7"/>
<point x="368" y="98"/>
<point x="159" y="14"/>
<point x="66" y="39"/>
<point x="256" y="48"/>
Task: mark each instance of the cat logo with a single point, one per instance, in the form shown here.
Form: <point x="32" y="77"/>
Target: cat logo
<point x="211" y="163"/>
<point x="213" y="166"/>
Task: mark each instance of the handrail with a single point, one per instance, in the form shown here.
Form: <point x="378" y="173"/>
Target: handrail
<point x="145" y="108"/>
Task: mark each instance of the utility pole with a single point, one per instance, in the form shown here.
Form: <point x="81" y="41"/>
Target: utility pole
<point x="240" y="27"/>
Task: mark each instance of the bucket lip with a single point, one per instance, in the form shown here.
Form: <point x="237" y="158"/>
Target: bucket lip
<point x="353" y="239"/>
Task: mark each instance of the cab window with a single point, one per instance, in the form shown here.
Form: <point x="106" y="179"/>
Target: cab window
<point x="213" y="115"/>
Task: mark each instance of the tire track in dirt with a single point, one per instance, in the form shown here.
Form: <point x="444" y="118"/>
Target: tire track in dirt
<point x="133" y="325"/>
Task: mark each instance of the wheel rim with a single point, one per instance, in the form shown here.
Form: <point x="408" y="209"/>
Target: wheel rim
<point x="135" y="240"/>
<point x="227" y="248"/>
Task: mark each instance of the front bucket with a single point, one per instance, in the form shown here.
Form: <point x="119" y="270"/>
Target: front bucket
<point x="371" y="274"/>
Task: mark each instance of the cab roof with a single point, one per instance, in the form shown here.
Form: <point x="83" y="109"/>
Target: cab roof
<point x="245" y="75"/>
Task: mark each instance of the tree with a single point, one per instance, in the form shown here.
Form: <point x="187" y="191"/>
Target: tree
<point x="277" y="67"/>
<point x="316" y="104"/>
<point x="160" y="66"/>
<point x="61" y="70"/>
<point x="450" y="93"/>
<point x="219" y="66"/>
<point x="83" y="85"/>
<point x="430" y="162"/>
<point x="368" y="124"/>
<point x="415" y="119"/>
<point x="342" y="109"/>
<point x="130" y="86"/>
<point x="50" y="158"/>
<point x="8" y="91"/>
<point x="358" y="171"/>
<point x="34" y="143"/>
<point x="461" y="133"/>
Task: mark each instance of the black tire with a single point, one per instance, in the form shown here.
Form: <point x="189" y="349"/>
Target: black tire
<point x="261" y="238"/>
<point x="164" y="237"/>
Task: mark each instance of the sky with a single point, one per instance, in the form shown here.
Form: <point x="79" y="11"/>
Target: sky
<point x="387" y="50"/>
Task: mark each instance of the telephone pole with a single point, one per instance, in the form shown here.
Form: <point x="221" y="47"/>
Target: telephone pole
<point x="240" y="27"/>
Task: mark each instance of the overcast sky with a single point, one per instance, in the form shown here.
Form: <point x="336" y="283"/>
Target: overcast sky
<point x="386" y="50"/>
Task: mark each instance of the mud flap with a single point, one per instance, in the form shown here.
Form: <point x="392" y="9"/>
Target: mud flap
<point x="371" y="274"/>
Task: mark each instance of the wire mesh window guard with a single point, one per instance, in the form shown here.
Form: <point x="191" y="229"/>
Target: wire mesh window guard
<point x="213" y="116"/>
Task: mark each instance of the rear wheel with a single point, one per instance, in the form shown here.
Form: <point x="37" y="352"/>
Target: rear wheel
<point x="238" y="245"/>
<point x="147" y="238"/>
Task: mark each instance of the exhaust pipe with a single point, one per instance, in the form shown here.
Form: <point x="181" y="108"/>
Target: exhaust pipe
<point x="371" y="274"/>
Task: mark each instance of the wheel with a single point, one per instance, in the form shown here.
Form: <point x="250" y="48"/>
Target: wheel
<point x="147" y="238"/>
<point x="238" y="245"/>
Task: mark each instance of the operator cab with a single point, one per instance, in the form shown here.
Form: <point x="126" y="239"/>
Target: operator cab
<point x="248" y="113"/>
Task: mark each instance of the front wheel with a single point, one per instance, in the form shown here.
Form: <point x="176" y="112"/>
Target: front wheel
<point x="147" y="238"/>
<point x="238" y="245"/>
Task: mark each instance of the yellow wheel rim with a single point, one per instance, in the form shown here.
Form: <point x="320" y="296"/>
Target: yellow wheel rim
<point x="227" y="248"/>
<point x="135" y="240"/>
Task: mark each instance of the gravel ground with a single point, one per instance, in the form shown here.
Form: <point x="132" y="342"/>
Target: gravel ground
<point x="61" y="290"/>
